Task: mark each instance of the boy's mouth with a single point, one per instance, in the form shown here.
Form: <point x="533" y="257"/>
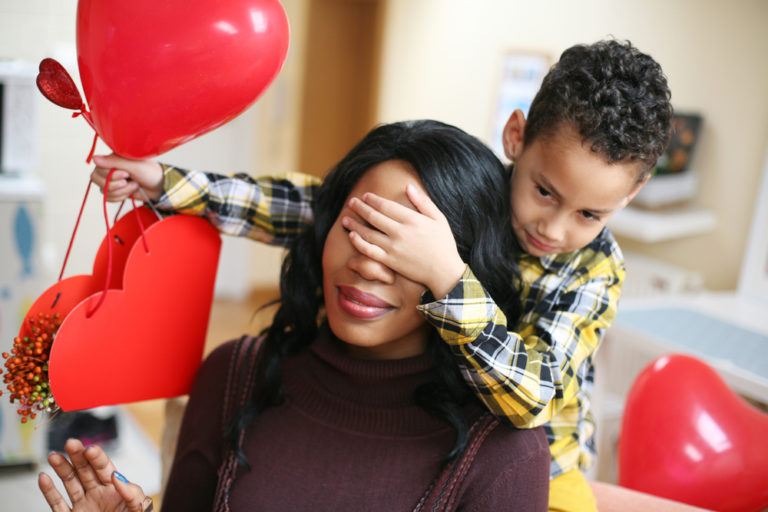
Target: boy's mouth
<point x="538" y="244"/>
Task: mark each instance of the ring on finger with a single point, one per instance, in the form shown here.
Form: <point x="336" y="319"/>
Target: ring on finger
<point x="146" y="505"/>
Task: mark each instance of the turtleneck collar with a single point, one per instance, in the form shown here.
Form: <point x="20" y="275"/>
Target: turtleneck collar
<point x="368" y="396"/>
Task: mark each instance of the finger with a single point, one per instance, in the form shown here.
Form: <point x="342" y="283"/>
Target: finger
<point x="383" y="221"/>
<point x="117" y="184"/>
<point x="101" y="463"/>
<point x="52" y="495"/>
<point x="66" y="473"/>
<point x="370" y="235"/>
<point x="99" y="176"/>
<point x="368" y="249"/>
<point x="396" y="211"/>
<point x="132" y="494"/>
<point x="122" y="193"/>
<point x="85" y="471"/>
<point x="112" y="161"/>
<point x="422" y="201"/>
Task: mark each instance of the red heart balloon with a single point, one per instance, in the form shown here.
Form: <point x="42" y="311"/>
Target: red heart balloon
<point x="158" y="74"/>
<point x="146" y="339"/>
<point x="687" y="436"/>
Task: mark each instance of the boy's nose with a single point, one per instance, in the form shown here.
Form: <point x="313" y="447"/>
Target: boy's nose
<point x="553" y="228"/>
<point x="371" y="270"/>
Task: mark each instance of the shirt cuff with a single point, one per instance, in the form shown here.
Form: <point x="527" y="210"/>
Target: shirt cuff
<point x="463" y="314"/>
<point x="183" y="190"/>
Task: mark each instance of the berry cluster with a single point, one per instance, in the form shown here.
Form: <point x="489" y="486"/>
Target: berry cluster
<point x="26" y="367"/>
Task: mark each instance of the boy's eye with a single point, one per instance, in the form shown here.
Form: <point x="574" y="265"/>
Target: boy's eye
<point x="589" y="215"/>
<point x="542" y="191"/>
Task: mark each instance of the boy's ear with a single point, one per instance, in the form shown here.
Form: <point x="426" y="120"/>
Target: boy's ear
<point x="512" y="136"/>
<point x="635" y="190"/>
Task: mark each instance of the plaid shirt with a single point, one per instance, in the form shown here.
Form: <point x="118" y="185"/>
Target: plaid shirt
<point x="540" y="373"/>
<point x="268" y="209"/>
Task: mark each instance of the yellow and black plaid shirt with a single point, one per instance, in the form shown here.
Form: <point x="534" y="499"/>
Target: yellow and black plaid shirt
<point x="539" y="373"/>
<point x="270" y="209"/>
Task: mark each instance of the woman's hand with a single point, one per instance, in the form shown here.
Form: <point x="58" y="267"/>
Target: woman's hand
<point x="91" y="483"/>
<point x="129" y="175"/>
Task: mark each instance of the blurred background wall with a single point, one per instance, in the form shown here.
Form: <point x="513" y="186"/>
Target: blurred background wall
<point x="354" y="63"/>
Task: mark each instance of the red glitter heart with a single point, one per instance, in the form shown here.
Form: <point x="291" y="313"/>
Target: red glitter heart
<point x="56" y="85"/>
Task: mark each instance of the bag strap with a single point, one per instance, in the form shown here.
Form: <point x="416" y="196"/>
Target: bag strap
<point x="441" y="494"/>
<point x="240" y="383"/>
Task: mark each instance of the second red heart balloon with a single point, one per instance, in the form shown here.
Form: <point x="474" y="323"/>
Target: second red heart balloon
<point x="687" y="436"/>
<point x="158" y="74"/>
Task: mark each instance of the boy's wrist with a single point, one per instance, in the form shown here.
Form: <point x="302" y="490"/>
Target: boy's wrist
<point x="447" y="279"/>
<point x="156" y="187"/>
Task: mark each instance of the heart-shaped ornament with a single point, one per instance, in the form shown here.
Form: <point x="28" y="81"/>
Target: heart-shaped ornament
<point x="56" y="85"/>
<point x="158" y="74"/>
<point x="146" y="339"/>
<point x="687" y="436"/>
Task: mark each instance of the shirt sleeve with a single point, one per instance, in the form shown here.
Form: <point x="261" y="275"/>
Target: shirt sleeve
<point x="270" y="209"/>
<point x="528" y="374"/>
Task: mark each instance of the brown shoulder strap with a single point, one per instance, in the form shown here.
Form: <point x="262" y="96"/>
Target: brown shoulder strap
<point x="441" y="494"/>
<point x="240" y="381"/>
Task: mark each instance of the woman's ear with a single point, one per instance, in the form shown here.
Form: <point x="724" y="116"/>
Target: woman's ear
<point x="512" y="136"/>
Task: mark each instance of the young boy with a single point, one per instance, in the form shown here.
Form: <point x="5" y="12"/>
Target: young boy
<point x="593" y="133"/>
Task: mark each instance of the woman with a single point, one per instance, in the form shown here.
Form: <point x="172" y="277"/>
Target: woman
<point x="357" y="404"/>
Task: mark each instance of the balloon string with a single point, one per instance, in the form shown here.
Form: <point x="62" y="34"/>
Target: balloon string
<point x="77" y="223"/>
<point x="87" y="116"/>
<point x="141" y="225"/>
<point x="93" y="148"/>
<point x="117" y="213"/>
<point x="109" y="251"/>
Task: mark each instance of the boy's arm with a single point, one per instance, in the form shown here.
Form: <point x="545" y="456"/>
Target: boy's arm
<point x="268" y="209"/>
<point x="528" y="375"/>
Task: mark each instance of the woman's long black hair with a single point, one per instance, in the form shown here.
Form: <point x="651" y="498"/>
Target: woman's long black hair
<point x="469" y="185"/>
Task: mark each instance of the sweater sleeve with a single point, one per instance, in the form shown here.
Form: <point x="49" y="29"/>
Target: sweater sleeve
<point x="511" y="473"/>
<point x="193" y="478"/>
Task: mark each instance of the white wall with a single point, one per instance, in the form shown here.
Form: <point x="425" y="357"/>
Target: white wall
<point x="442" y="58"/>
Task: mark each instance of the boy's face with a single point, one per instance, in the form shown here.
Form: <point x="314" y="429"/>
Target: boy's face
<point x="562" y="193"/>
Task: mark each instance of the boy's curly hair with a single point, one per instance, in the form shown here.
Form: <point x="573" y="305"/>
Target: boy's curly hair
<point x="615" y="96"/>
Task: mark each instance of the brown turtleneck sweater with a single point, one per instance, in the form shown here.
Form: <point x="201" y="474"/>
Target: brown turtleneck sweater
<point x="349" y="437"/>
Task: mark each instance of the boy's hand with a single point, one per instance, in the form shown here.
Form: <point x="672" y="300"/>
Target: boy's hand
<point x="416" y="244"/>
<point x="128" y="177"/>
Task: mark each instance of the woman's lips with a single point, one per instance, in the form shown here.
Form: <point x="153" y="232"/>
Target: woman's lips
<point x="538" y="244"/>
<point x="360" y="304"/>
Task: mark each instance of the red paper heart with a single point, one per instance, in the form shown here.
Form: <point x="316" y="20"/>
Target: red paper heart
<point x="158" y="74"/>
<point x="687" y="436"/>
<point x="56" y="85"/>
<point x="146" y="340"/>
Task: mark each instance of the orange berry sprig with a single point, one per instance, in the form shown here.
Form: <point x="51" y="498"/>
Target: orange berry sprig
<point x="26" y="367"/>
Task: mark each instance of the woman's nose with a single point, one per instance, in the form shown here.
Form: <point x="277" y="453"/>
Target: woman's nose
<point x="371" y="270"/>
